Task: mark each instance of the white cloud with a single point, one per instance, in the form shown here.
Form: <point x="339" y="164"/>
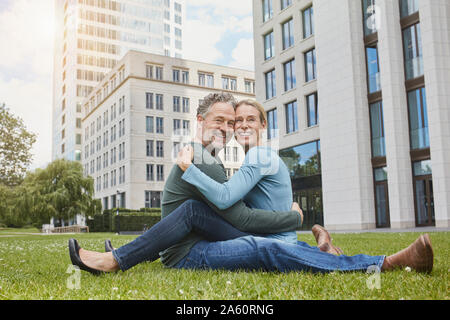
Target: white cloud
<point x="26" y="65"/>
<point x="201" y="40"/>
<point x="26" y="34"/>
<point x="243" y="55"/>
<point x="213" y="21"/>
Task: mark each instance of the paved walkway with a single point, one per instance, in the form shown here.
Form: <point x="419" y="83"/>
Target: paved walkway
<point x="381" y="230"/>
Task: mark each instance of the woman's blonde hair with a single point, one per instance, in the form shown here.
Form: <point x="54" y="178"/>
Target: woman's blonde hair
<point x="258" y="106"/>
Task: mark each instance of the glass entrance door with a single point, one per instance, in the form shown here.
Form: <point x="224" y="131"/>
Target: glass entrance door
<point x="423" y="188"/>
<point x="382" y="205"/>
<point x="310" y="201"/>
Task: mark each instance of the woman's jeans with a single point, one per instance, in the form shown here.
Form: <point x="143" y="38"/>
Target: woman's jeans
<point x="252" y="253"/>
<point x="230" y="249"/>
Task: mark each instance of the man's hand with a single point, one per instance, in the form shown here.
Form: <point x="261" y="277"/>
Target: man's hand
<point x="296" y="207"/>
<point x="185" y="156"/>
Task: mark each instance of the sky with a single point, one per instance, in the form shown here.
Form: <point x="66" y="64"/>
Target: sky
<point x="216" y="31"/>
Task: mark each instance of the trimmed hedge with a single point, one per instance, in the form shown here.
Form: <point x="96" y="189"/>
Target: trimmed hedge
<point x="129" y="220"/>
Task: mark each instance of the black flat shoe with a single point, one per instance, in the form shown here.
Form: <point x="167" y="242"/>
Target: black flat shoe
<point x="74" y="252"/>
<point x="108" y="246"/>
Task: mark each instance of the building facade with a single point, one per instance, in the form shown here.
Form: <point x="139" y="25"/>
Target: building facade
<point x="377" y="73"/>
<point x="92" y="36"/>
<point x="133" y="133"/>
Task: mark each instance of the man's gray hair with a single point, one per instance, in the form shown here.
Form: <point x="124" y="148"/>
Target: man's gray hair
<point x="212" y="98"/>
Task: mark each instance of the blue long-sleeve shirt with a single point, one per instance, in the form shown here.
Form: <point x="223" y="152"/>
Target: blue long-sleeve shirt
<point x="263" y="182"/>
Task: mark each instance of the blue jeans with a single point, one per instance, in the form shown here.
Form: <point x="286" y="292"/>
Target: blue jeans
<point x="252" y="253"/>
<point x="190" y="216"/>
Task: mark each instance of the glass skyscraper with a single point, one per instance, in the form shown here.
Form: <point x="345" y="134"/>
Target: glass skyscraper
<point x="92" y="35"/>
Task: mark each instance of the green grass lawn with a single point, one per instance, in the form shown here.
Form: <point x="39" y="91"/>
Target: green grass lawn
<point x="34" y="267"/>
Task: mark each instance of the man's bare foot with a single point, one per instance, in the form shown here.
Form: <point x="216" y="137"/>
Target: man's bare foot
<point x="99" y="261"/>
<point x="324" y="242"/>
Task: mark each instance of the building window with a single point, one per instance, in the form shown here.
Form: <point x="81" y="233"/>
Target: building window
<point x="160" y="149"/>
<point x="285" y="4"/>
<point x="159" y="125"/>
<point x="225" y="83"/>
<point x="423" y="193"/>
<point x="149" y="148"/>
<point x="268" y="46"/>
<point x="185" y="76"/>
<point x="186" y="108"/>
<point x="267" y="10"/>
<point x="233" y="84"/>
<point x="303" y="160"/>
<point x="149" y="100"/>
<point x="412" y="42"/>
<point x="149" y="124"/>
<point x="408" y="7"/>
<point x="160" y="172"/>
<point x="176" y="126"/>
<point x="158" y="73"/>
<point x="202" y="79"/>
<point x="186" y="128"/>
<point x="249" y="86"/>
<point x="176" y="75"/>
<point x="150" y="175"/>
<point x="210" y="81"/>
<point x="159" y="102"/>
<point x="370" y="17"/>
<point x="176" y="149"/>
<point x="312" y="110"/>
<point x="78" y="123"/>
<point x="381" y="198"/>
<point x="373" y="69"/>
<point x="308" y="22"/>
<point x="235" y="154"/>
<point x="176" y="104"/>
<point x="270" y="84"/>
<point x="272" y="124"/>
<point x="288" y="34"/>
<point x="310" y="65"/>
<point x="291" y="117"/>
<point x="149" y="72"/>
<point x="377" y="128"/>
<point x="152" y="199"/>
<point x="289" y="75"/>
<point x="418" y="119"/>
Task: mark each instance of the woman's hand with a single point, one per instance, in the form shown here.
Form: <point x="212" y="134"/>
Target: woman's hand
<point x="296" y="207"/>
<point x="185" y="156"/>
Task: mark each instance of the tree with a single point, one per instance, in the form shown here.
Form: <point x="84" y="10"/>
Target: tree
<point x="15" y="146"/>
<point x="59" y="191"/>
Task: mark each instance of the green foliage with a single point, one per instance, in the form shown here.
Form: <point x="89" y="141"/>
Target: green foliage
<point x="15" y="146"/>
<point x="130" y="220"/>
<point x="59" y="191"/>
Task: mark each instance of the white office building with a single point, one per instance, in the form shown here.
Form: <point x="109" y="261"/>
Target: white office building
<point x="358" y="98"/>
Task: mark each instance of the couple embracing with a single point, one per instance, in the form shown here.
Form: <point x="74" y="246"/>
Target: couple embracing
<point x="246" y="223"/>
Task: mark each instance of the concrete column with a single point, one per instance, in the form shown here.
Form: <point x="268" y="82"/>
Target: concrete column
<point x="348" y="192"/>
<point x="395" y="110"/>
<point x="435" y="28"/>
